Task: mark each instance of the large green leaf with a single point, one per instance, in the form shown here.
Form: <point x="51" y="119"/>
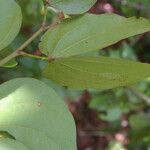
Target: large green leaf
<point x="36" y="116"/>
<point x="96" y="72"/>
<point x="73" y="6"/>
<point x="90" y="32"/>
<point x="10" y="21"/>
<point x="9" y="144"/>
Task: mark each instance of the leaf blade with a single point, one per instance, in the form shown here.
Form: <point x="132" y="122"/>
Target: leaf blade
<point x="10" y="21"/>
<point x="90" y="32"/>
<point x="95" y="72"/>
<point x="28" y="115"/>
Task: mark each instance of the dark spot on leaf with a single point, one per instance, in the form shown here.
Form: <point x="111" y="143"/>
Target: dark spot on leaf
<point x="39" y="104"/>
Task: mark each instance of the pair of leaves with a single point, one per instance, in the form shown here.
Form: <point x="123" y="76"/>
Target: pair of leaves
<point x="35" y="116"/>
<point x="85" y="34"/>
<point x="11" y="16"/>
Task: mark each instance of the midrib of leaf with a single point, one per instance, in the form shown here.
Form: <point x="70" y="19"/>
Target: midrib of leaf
<point x="70" y="68"/>
<point x="95" y="74"/>
<point x="102" y="62"/>
<point x="62" y="30"/>
<point x="99" y="74"/>
<point x="60" y="38"/>
<point x="58" y="52"/>
<point x="78" y="42"/>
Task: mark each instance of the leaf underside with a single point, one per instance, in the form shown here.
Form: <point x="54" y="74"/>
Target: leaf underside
<point x="96" y="72"/>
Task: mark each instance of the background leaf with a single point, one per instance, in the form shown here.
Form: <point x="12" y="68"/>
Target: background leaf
<point x="137" y="124"/>
<point x="34" y="115"/>
<point x="96" y="72"/>
<point x="10" y="21"/>
<point x="73" y="6"/>
<point x="90" y="32"/>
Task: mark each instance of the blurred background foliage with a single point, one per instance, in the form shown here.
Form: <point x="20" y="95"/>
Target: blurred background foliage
<point x="116" y="119"/>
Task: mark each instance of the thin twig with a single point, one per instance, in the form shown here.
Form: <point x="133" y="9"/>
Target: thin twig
<point x="22" y="53"/>
<point x="24" y="45"/>
<point x="140" y="95"/>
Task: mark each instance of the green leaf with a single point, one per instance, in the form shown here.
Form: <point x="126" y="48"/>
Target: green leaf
<point x="73" y="6"/>
<point x="90" y="32"/>
<point x="113" y="114"/>
<point x="136" y="123"/>
<point x="96" y="72"/>
<point x="36" y="116"/>
<point x="9" y="144"/>
<point x="142" y="2"/>
<point x="5" y="52"/>
<point x="10" y="21"/>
